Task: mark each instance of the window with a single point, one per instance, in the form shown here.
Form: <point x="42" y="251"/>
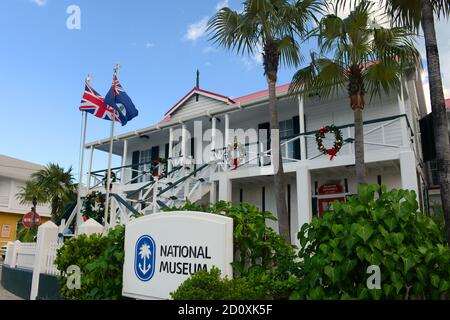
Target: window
<point x="434" y="173"/>
<point x="4" y="192"/>
<point x="287" y="132"/>
<point x="145" y="156"/>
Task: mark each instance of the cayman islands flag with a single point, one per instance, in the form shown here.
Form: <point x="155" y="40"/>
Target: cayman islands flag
<point x="93" y="103"/>
<point x="121" y="102"/>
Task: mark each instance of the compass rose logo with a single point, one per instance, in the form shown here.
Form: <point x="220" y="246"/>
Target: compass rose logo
<point x="144" y="259"/>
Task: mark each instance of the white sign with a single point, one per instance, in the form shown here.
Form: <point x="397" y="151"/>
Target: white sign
<point x="163" y="250"/>
<point x="6" y="231"/>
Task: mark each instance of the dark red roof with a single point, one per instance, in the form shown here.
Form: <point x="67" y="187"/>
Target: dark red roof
<point x="261" y="94"/>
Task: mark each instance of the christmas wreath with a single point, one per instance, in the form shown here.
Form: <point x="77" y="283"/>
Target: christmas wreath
<point x="163" y="167"/>
<point x="338" y="140"/>
<point x="94" y="206"/>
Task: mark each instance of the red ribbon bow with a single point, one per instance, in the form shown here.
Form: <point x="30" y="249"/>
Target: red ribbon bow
<point x="332" y="153"/>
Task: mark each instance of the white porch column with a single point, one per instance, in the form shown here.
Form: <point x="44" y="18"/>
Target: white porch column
<point x="213" y="137"/>
<point x="124" y="161"/>
<point x="301" y="116"/>
<point x="183" y="143"/>
<point x="408" y="171"/>
<point x="170" y="161"/>
<point x="224" y="188"/>
<point x="88" y="181"/>
<point x="212" y="192"/>
<point x="227" y="134"/>
<point x="402" y="110"/>
<point x="304" y="203"/>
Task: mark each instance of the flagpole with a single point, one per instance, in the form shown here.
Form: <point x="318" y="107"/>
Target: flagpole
<point x="80" y="174"/>
<point x="111" y="141"/>
<point x="108" y="175"/>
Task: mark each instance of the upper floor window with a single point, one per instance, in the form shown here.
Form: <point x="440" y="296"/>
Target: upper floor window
<point x="145" y="156"/>
<point x="287" y="132"/>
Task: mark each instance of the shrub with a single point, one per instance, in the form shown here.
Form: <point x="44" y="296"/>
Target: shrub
<point x="204" y="285"/>
<point x="261" y="256"/>
<point x="100" y="259"/>
<point x="80" y="252"/>
<point x="388" y="232"/>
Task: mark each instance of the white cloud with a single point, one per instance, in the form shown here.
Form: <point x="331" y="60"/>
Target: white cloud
<point x="222" y="4"/>
<point x="149" y="45"/>
<point x="196" y="30"/>
<point x="40" y="3"/>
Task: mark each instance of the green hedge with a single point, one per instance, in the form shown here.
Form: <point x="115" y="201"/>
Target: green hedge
<point x="386" y="231"/>
<point x="100" y="260"/>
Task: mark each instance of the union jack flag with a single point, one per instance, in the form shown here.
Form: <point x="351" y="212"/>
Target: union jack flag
<point x="93" y="102"/>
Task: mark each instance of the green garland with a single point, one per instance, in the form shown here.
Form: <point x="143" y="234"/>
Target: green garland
<point x="338" y="142"/>
<point x="90" y="202"/>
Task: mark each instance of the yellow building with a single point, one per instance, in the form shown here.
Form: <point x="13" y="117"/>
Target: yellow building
<point x="13" y="174"/>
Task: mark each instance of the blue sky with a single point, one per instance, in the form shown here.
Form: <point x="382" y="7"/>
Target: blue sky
<point x="159" y="45"/>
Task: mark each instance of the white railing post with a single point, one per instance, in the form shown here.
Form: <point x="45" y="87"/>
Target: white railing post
<point x="170" y="160"/>
<point x="88" y="179"/>
<point x="90" y="227"/>
<point x="11" y="253"/>
<point x="155" y="194"/>
<point x="47" y="234"/>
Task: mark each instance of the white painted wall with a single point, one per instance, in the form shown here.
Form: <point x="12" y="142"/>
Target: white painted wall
<point x="9" y="187"/>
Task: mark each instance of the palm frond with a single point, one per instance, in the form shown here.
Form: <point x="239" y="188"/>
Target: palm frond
<point x="323" y="77"/>
<point x="382" y="77"/>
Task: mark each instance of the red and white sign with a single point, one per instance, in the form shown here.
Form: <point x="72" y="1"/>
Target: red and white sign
<point x="330" y="189"/>
<point x="27" y="219"/>
<point x="326" y="203"/>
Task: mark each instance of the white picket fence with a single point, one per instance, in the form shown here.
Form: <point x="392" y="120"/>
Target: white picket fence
<point x="25" y="255"/>
<point x="40" y="256"/>
<point x="22" y="255"/>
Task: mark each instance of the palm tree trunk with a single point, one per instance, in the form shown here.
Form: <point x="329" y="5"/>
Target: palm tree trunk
<point x="280" y="194"/>
<point x="359" y="146"/>
<point x="55" y="202"/>
<point x="438" y="107"/>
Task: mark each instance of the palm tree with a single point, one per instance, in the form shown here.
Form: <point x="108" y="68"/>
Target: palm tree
<point x="32" y="193"/>
<point x="415" y="14"/>
<point x="58" y="184"/>
<point x="364" y="60"/>
<point x="273" y="25"/>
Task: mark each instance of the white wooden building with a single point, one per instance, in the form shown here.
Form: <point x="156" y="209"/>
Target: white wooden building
<point x="200" y="169"/>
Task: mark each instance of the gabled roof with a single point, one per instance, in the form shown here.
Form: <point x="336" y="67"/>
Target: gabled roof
<point x="201" y="92"/>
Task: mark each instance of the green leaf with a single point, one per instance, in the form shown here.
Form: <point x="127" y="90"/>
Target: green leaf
<point x="435" y="280"/>
<point x="364" y="232"/>
<point x="336" y="228"/>
<point x="332" y="273"/>
<point x="408" y="263"/>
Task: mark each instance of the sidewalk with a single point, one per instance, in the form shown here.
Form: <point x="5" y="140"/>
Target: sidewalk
<point x="5" y="295"/>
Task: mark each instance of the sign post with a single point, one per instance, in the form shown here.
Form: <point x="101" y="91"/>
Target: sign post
<point x="163" y="250"/>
